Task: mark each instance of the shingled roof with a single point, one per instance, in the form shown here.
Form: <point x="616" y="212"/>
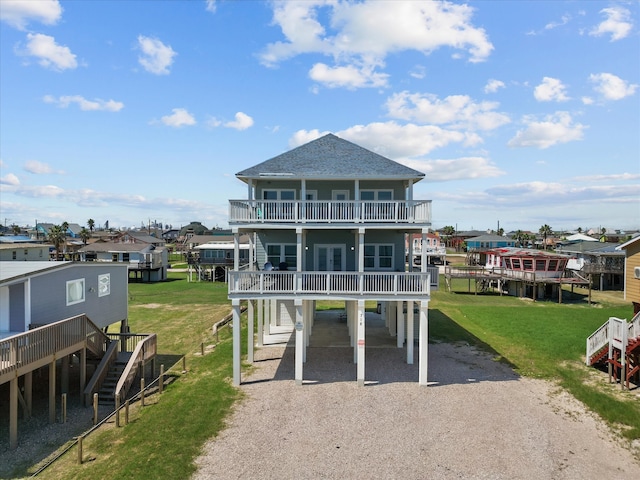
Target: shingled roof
<point x="330" y="157"/>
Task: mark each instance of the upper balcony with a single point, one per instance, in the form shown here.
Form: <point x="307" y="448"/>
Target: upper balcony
<point x="414" y="212"/>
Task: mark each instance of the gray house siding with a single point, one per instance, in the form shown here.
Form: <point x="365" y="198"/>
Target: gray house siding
<point x="17" y="310"/>
<point x="49" y="300"/>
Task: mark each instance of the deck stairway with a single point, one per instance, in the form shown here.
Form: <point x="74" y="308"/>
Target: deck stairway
<point x="106" y="394"/>
<point x="617" y="344"/>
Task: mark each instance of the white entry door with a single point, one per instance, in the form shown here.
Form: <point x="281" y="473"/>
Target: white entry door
<point x="330" y="258"/>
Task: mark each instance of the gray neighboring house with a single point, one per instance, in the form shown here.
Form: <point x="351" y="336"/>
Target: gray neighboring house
<point x="38" y="293"/>
<point x="330" y="220"/>
<point x="145" y="261"/>
<point x="600" y="262"/>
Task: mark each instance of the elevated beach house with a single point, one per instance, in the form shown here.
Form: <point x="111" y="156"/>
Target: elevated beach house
<point x="330" y="221"/>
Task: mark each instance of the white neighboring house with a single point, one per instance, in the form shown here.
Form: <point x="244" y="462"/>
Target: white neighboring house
<point x="330" y="220"/>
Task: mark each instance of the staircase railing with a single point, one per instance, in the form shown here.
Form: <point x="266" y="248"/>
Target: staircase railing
<point x="598" y="340"/>
<point x="145" y="350"/>
<point x="101" y="372"/>
<point x="634" y="327"/>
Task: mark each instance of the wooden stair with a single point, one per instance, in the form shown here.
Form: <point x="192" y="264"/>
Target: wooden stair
<point x="106" y="392"/>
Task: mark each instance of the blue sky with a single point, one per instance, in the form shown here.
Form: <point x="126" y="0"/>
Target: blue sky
<point x="519" y="112"/>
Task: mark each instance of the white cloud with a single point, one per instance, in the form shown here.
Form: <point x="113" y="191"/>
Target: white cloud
<point x="418" y="72"/>
<point x="39" y="168"/>
<point x="563" y="21"/>
<point x="457" y="111"/>
<point x="493" y="85"/>
<point x="349" y="76"/>
<point x="362" y="34"/>
<point x="617" y="23"/>
<point x="18" y="13"/>
<point x="611" y="87"/>
<point x="609" y="177"/>
<point x="398" y="142"/>
<point x="551" y="89"/>
<point x="48" y="52"/>
<point x="10" y="179"/>
<point x="211" y="6"/>
<point x="242" y="122"/>
<point x="464" y="168"/>
<point x="156" y="56"/>
<point x="587" y="100"/>
<point x="84" y="104"/>
<point x="179" y="118"/>
<point x="554" y="129"/>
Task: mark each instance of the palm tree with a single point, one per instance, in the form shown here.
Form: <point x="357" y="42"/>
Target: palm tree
<point x="57" y="235"/>
<point x="16" y="229"/>
<point x="84" y="235"/>
<point x="518" y="236"/>
<point x="579" y="230"/>
<point x="603" y="234"/>
<point x="545" y="231"/>
<point x="91" y="223"/>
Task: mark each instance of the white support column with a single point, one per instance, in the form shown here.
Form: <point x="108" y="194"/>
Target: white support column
<point x="424" y="343"/>
<point x="356" y="197"/>
<point x="391" y="318"/>
<point x="299" y="249"/>
<point x="250" y="332"/>
<point x="260" y="342"/>
<point x="423" y="259"/>
<point x="237" y="361"/>
<point x="236" y="250"/>
<point x="400" y="323"/>
<point x="274" y="312"/>
<point x="299" y="325"/>
<point x="360" y="343"/>
<point x="267" y="317"/>
<point x="410" y="306"/>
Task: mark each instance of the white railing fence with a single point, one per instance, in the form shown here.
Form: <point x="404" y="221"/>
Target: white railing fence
<point x="333" y="283"/>
<point x="329" y="211"/>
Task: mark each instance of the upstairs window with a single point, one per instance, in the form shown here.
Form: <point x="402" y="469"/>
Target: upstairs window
<point x="75" y="291"/>
<point x="282" y="252"/>
<point x="378" y="257"/>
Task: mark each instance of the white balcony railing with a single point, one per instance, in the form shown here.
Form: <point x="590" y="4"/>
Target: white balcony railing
<point x="328" y="211"/>
<point x="416" y="284"/>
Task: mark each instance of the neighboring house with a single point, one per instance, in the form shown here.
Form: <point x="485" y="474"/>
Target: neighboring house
<point x="140" y="238"/>
<point x="144" y="260"/>
<point x="171" y="235"/>
<point x="435" y="250"/>
<point x="49" y="312"/>
<point x="580" y="237"/>
<point x="631" y="249"/>
<point x="601" y="262"/>
<point x="24" y="252"/>
<point x="485" y="242"/>
<point x="330" y="220"/>
<point x="39" y="293"/>
<point x="16" y="239"/>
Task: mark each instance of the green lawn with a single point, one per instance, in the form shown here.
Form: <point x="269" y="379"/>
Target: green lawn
<point x="541" y="339"/>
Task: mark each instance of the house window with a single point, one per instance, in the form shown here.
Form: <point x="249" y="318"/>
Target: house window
<point x="283" y="252"/>
<point x="378" y="257"/>
<point x="516" y="263"/>
<point x="14" y="254"/>
<point x="541" y="265"/>
<point x="280" y="205"/>
<point x="527" y="264"/>
<point x="104" y="284"/>
<point x="373" y="195"/>
<point x="114" y="257"/>
<point x="553" y="265"/>
<point x="507" y="263"/>
<point x="75" y="291"/>
<point x="125" y="257"/>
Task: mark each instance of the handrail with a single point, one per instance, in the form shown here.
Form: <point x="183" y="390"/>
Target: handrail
<point x="346" y="283"/>
<point x="101" y="372"/>
<point x="40" y="345"/>
<point x="329" y="211"/>
<point x="597" y="340"/>
<point x="145" y="350"/>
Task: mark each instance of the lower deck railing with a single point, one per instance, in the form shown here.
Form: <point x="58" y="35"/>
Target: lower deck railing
<point x="333" y="283"/>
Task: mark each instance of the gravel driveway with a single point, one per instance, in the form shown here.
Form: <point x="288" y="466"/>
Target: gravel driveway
<point x="477" y="419"/>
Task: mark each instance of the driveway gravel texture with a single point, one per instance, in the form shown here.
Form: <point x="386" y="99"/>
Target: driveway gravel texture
<point x="477" y="419"/>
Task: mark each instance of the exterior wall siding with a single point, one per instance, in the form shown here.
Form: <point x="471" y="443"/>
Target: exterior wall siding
<point x="48" y="295"/>
<point x="632" y="284"/>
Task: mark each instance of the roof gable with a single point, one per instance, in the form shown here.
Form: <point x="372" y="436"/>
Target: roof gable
<point x="330" y="157"/>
